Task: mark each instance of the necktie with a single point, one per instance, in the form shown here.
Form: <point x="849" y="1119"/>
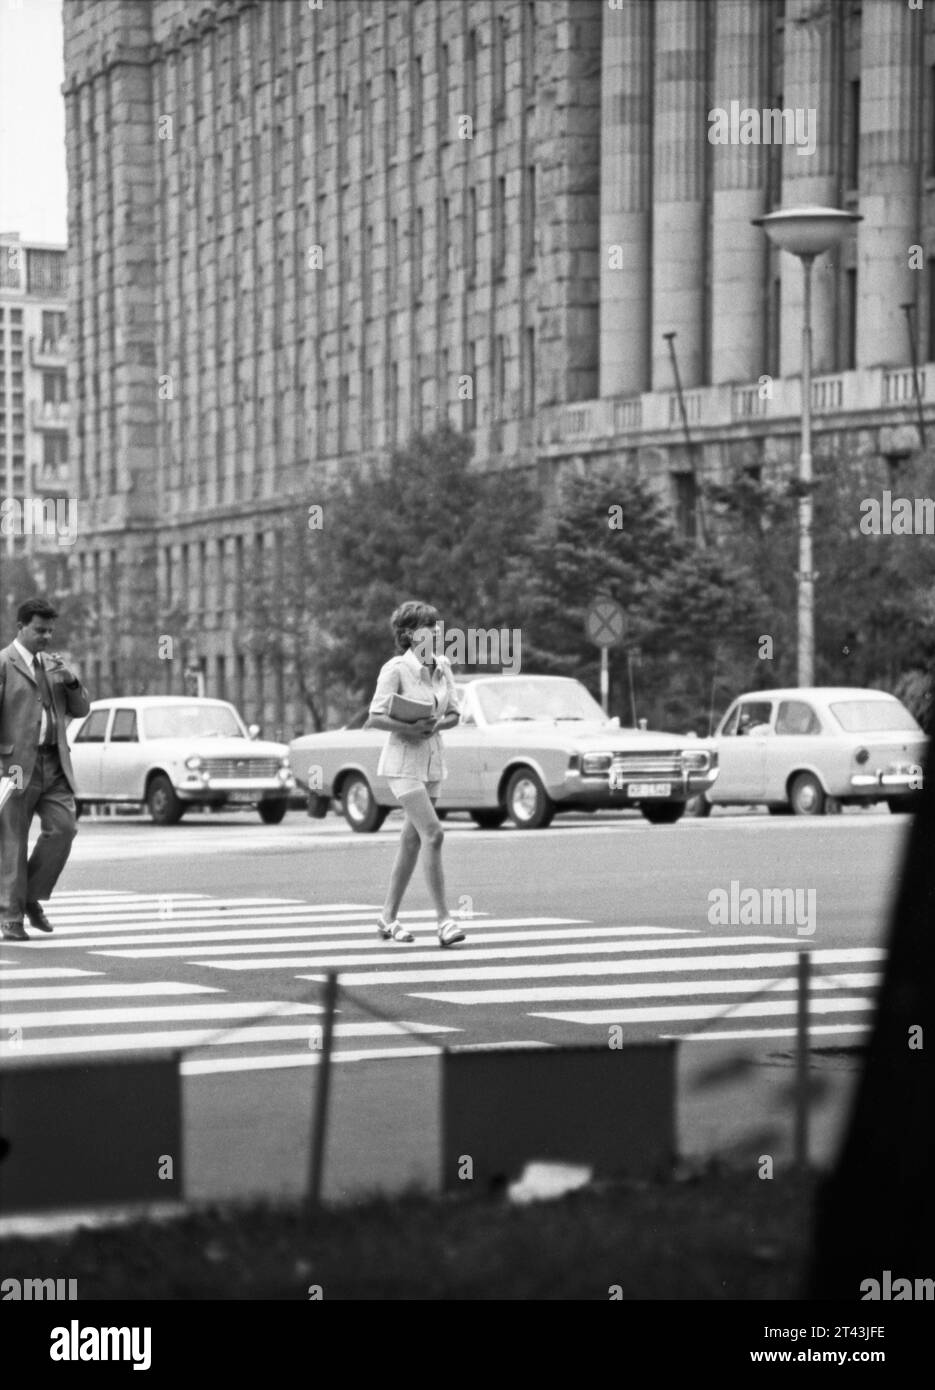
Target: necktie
<point x="42" y="680"/>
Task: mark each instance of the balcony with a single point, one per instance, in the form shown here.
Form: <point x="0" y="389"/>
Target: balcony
<point x="733" y="406"/>
<point x="49" y="415"/>
<point x="48" y="352"/>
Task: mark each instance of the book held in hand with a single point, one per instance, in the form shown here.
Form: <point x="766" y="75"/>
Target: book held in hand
<point x="408" y="710"/>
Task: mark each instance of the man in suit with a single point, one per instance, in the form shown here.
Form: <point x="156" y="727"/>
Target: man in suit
<point x="37" y="698"/>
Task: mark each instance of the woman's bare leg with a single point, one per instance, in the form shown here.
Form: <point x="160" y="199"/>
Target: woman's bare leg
<point x="401" y="872"/>
<point x="420" y="814"/>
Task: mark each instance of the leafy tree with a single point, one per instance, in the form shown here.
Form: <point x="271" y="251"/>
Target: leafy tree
<point x="425" y="525"/>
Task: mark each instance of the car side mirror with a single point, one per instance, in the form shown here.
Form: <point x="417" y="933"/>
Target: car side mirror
<point x="253" y="730"/>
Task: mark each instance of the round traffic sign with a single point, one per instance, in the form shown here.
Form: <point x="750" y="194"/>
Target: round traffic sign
<point x="605" y="622"/>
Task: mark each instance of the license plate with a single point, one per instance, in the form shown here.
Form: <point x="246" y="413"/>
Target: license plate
<point x="242" y="798"/>
<point x="649" y="789"/>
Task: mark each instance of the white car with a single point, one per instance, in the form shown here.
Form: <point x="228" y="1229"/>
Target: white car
<point x="808" y="750"/>
<point x="168" y="752"/>
<point x="526" y="747"/>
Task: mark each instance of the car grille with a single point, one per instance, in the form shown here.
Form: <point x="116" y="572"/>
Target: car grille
<point x="234" y="768"/>
<point x="647" y="765"/>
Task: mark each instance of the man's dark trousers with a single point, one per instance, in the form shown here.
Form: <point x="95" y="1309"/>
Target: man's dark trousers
<point x="23" y="881"/>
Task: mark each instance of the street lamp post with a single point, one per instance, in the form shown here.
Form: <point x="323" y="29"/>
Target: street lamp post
<point x="806" y="232"/>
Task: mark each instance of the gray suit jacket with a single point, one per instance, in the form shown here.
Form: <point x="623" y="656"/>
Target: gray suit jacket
<point x="21" y="716"/>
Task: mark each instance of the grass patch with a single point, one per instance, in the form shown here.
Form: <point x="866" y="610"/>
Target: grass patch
<point x="725" y="1234"/>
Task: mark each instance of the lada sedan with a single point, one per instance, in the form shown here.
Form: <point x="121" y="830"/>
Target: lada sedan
<point x="811" y="749"/>
<point x="525" y="748"/>
<point x="171" y="752"/>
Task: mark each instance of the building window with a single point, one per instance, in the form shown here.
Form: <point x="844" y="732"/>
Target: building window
<point x="850" y="320"/>
<point x="470" y="74"/>
<point x="444" y="239"/>
<point x="470" y="235"/>
<point x="529" y="372"/>
<point x="529" y="218"/>
<point x="442" y="113"/>
<point x="393" y="405"/>
<point x="416" y="90"/>
<point x="469" y="419"/>
<point x="501" y="30"/>
<point x="499" y="227"/>
<point x="418" y="245"/>
<point x="853" y="134"/>
<point x="392" y="101"/>
<point x="499" y="376"/>
<point x="773" y="330"/>
<point x="686" y="503"/>
<point x="393" y="258"/>
<point x="368" y="125"/>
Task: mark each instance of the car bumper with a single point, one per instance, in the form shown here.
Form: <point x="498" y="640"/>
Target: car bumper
<point x="876" y="784"/>
<point x="578" y="789"/>
<point x="217" y="792"/>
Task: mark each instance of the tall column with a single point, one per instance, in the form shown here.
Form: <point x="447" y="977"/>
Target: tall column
<point x="890" y="120"/>
<point x="626" y="191"/>
<point x="680" y="132"/>
<point x="809" y="62"/>
<point x="739" y="250"/>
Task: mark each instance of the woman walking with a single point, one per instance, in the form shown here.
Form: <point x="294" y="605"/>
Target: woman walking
<point x="413" y="762"/>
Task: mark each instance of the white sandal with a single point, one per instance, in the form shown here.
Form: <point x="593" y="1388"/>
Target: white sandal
<point x="392" y="931"/>
<point x="449" y="933"/>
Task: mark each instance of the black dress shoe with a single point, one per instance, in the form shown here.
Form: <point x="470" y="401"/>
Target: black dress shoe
<point x="13" y="931"/>
<point x="37" y="917"/>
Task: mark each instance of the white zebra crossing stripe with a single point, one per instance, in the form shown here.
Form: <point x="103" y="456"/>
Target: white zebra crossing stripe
<point x="542" y="994"/>
<point x="48" y="973"/>
<point x="759" y="1008"/>
<point x="173" y="1040"/>
<point x="302" y="1059"/>
<point x="53" y="993"/>
<point x="734" y="1034"/>
<point x="155" y="1013"/>
<point x="653" y="966"/>
<point x="319" y="938"/>
<point x="407" y="955"/>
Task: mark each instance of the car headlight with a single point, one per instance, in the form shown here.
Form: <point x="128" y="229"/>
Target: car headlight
<point x="696" y="760"/>
<point x="595" y="763"/>
<point x="193" y="762"/>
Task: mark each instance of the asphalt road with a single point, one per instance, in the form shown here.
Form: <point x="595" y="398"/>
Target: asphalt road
<point x="215" y="937"/>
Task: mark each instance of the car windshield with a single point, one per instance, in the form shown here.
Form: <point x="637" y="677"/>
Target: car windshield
<point x="874" y="716"/>
<point x="191" y="721"/>
<point x="537" y="699"/>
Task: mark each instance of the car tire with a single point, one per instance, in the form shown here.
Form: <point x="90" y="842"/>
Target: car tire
<point x="317" y="806"/>
<point x="272" y="812"/>
<point x="528" y="804"/>
<point x="901" y="805"/>
<point x="79" y="809"/>
<point x="162" y="803"/>
<point x="807" y="796"/>
<point x="489" y="820"/>
<point x="360" y="807"/>
<point x="663" y="812"/>
<point x="698" y="806"/>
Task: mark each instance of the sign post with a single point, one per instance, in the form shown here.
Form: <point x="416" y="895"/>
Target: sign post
<point x="604" y="626"/>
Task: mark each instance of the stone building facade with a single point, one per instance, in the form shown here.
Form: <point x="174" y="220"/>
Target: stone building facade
<point x="297" y="230"/>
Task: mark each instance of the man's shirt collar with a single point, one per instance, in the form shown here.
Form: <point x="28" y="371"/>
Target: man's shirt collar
<point x="27" y="655"/>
